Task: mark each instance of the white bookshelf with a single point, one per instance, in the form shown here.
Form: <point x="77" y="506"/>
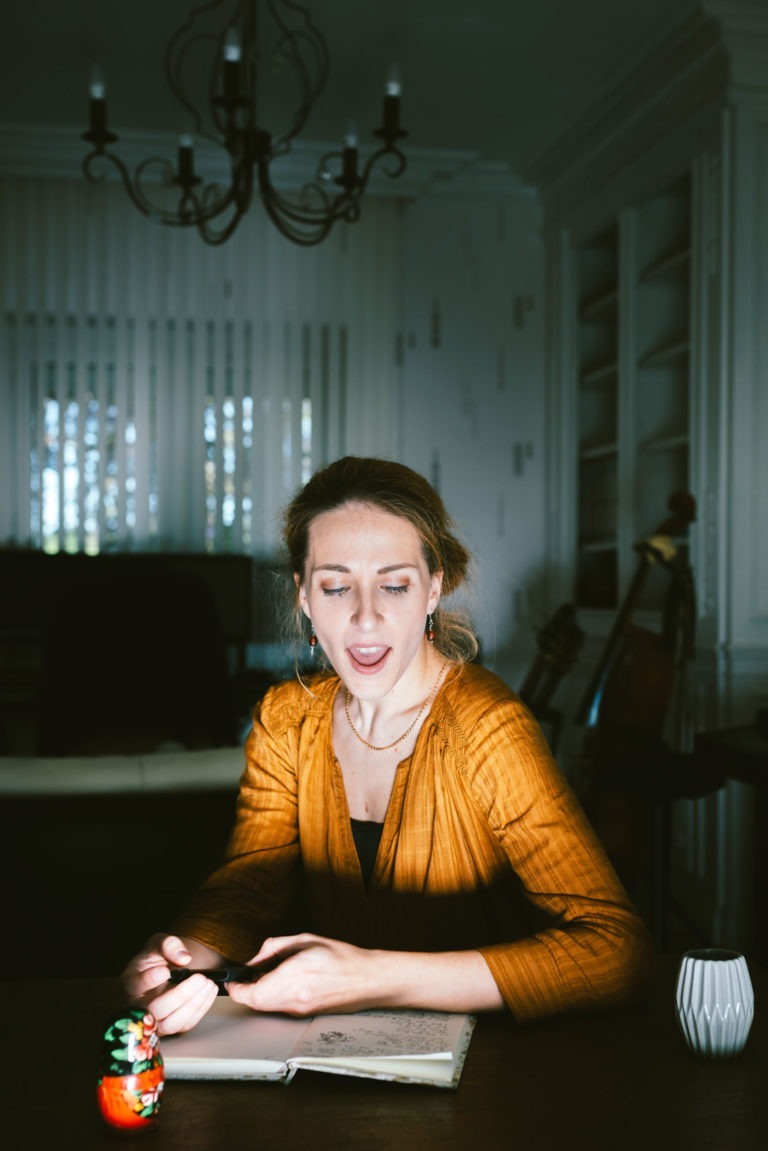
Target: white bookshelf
<point x="632" y="296"/>
<point x="598" y="307"/>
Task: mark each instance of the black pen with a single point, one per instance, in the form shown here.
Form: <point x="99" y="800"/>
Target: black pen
<point x="233" y="973"/>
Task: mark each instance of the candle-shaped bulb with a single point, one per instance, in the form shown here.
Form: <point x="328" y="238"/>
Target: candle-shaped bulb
<point x="97" y="133"/>
<point x="348" y="178"/>
<point x="97" y="88"/>
<point x="350" y="136"/>
<point x="231" y="66"/>
<point x="232" y="50"/>
<point x="394" y="85"/>
<point x="390" y="129"/>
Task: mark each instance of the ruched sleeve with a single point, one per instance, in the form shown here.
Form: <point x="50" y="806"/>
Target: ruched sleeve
<point x="592" y="946"/>
<point x="240" y="904"/>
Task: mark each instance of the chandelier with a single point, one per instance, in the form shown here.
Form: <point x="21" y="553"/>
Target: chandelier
<point x="238" y="49"/>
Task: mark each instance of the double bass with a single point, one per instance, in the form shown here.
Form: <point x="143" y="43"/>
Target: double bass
<point x="558" y="642"/>
<point x="627" y="709"/>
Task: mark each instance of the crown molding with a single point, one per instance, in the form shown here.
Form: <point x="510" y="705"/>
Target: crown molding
<point x="687" y="72"/>
<point x="739" y="16"/>
<point x="743" y="28"/>
<point x="665" y="108"/>
<point x="55" y="152"/>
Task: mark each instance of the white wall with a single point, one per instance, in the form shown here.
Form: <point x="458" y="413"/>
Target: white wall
<point x="473" y="399"/>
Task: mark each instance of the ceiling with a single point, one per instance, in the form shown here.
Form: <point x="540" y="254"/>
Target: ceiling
<point x="503" y="79"/>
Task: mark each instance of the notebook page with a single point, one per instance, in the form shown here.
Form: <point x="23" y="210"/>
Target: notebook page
<point x="230" y="1037"/>
<point x="382" y="1035"/>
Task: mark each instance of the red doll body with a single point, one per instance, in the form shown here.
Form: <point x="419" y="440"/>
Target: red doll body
<point x="130" y="1087"/>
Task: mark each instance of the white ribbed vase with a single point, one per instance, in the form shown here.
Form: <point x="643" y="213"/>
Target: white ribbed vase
<point x="715" y="1002"/>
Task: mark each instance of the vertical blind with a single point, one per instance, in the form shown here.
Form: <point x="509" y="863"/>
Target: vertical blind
<point x="159" y="393"/>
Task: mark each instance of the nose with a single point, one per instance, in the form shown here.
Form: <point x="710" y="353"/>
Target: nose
<point x="365" y="615"/>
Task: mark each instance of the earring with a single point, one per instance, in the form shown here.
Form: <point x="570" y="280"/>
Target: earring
<point x="430" y="629"/>
<point x="312" y="638"/>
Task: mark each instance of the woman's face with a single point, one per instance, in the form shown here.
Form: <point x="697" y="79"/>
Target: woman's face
<point x="368" y="590"/>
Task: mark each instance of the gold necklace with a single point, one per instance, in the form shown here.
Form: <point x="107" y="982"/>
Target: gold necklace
<point x="411" y="726"/>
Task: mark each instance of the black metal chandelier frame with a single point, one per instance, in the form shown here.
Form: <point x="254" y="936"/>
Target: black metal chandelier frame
<point x="237" y="64"/>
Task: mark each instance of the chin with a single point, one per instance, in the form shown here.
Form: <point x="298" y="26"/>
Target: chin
<point x="373" y="685"/>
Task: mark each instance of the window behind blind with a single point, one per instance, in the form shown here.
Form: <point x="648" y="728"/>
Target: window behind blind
<point x="158" y="393"/>
<point x="215" y="418"/>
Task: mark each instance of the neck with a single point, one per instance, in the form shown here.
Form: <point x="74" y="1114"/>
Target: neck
<point x="383" y="719"/>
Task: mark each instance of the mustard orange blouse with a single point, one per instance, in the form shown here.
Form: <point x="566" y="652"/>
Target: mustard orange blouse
<point x="484" y="846"/>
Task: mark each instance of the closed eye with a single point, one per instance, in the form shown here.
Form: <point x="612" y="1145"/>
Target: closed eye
<point x="334" y="590"/>
<point x="396" y="589"/>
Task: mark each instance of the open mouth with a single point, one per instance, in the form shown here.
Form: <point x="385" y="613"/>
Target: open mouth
<point x="368" y="660"/>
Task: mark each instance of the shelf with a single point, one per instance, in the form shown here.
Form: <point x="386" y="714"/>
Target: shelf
<point x="595" y="546"/>
<point x="601" y="306"/>
<point x="671" y="263"/>
<point x="666" y="443"/>
<point x="665" y="354"/>
<point x="598" y="374"/>
<point x="599" y="452"/>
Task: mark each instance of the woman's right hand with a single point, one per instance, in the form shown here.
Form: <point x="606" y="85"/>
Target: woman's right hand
<point x="176" y="1007"/>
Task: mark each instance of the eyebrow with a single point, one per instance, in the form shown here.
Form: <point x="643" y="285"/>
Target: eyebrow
<point x="379" y="571"/>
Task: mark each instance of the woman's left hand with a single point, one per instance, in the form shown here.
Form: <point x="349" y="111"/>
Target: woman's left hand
<point x="308" y="975"/>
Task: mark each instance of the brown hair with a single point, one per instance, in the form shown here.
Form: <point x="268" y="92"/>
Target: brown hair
<point x="402" y="492"/>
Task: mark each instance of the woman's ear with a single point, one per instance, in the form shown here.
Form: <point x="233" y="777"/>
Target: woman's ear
<point x="435" y="591"/>
<point x="301" y="594"/>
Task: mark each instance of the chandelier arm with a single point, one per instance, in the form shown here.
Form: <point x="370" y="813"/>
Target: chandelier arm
<point x="210" y="203"/>
<point x="346" y="205"/>
<point x="173" y="60"/>
<point x="198" y="209"/>
<point x="302" y="225"/>
<point x="217" y="236"/>
<point x="132" y="185"/>
<point x="173" y="80"/>
<point x="309" y="95"/>
<point x="343" y="206"/>
<point x="193" y="209"/>
<point x="381" y="154"/>
<point x="306" y="234"/>
<point x="311" y="83"/>
<point x="177" y="47"/>
<point x="190" y="208"/>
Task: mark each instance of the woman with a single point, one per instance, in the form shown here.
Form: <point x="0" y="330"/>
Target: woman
<point x="406" y="793"/>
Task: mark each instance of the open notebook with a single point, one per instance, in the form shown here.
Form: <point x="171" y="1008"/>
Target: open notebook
<point x="233" y="1042"/>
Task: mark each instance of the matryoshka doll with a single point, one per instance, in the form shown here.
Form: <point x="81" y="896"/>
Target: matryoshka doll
<point x="131" y="1083"/>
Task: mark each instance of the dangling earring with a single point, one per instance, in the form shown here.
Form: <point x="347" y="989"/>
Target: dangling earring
<point x="312" y="638"/>
<point x="430" y="628"/>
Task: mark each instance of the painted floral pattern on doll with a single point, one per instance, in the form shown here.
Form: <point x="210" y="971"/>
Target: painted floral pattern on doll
<point x="131" y="1083"/>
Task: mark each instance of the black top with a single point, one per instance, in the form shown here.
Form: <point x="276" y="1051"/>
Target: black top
<point x="366" y="835"/>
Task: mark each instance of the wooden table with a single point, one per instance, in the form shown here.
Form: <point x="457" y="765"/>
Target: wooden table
<point x="619" y="1080"/>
